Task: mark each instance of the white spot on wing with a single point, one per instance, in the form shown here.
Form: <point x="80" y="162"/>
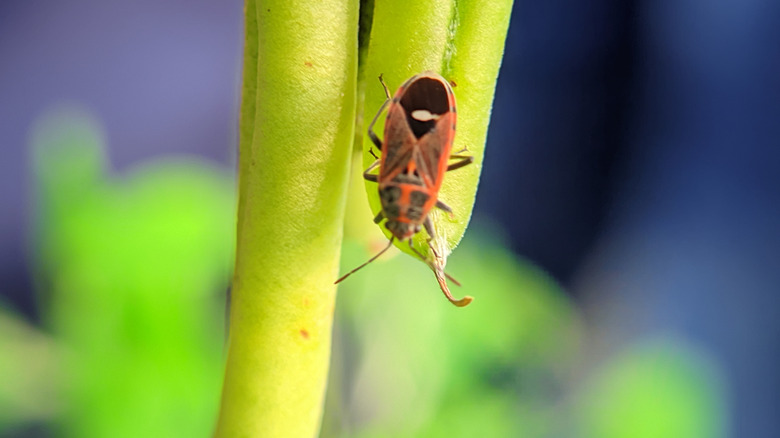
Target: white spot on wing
<point x="424" y="115"/>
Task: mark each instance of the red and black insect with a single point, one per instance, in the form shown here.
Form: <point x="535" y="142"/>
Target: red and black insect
<point x="419" y="131"/>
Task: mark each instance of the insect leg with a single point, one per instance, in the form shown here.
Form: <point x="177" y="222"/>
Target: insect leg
<point x="369" y="176"/>
<point x="371" y="133"/>
<point x="465" y="161"/>
<point x="379" y="217"/>
<point x="428" y="227"/>
<point x="443" y="206"/>
<point x="459" y="153"/>
<point x="382" y="81"/>
<point x="389" y="244"/>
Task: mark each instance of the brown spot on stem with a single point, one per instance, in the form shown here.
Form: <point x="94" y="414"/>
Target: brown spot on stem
<point x="308" y="64"/>
<point x="304" y="334"/>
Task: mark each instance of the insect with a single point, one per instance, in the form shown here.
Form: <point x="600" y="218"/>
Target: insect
<point x="419" y="131"/>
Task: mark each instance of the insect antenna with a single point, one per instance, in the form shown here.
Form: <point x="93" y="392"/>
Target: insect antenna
<point x="389" y="244"/>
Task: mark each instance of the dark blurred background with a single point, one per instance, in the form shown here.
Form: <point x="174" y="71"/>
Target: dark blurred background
<point x="632" y="156"/>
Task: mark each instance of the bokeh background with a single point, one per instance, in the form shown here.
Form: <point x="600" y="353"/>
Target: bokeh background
<point x="623" y="252"/>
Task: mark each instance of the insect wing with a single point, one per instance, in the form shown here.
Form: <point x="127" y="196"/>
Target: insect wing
<point x="398" y="150"/>
<point x="433" y="151"/>
<point x="419" y="130"/>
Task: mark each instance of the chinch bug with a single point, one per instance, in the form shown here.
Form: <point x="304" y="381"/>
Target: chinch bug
<point x="419" y="131"/>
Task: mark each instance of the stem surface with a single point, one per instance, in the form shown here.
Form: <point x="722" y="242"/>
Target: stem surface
<point x="296" y="131"/>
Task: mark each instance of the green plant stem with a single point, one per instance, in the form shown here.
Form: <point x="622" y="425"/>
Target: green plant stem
<point x="296" y="128"/>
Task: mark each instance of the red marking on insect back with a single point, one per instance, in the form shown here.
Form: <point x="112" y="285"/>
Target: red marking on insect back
<point x="419" y="131"/>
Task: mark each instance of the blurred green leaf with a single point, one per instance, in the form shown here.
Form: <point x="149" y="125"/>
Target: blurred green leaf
<point x="659" y="389"/>
<point x="135" y="267"/>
